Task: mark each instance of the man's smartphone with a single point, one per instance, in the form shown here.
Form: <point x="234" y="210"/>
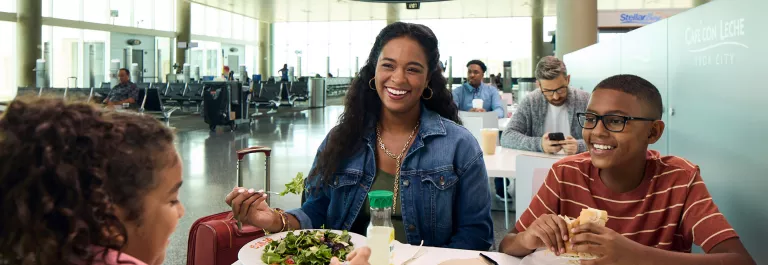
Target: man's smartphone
<point x="556" y="136"/>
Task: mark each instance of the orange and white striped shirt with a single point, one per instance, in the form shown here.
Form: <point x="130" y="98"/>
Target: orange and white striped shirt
<point x="671" y="208"/>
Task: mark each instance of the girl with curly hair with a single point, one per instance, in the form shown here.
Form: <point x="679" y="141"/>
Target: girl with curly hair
<point x="82" y="186"/>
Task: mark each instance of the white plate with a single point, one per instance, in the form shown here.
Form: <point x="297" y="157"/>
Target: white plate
<point x="542" y="256"/>
<point x="251" y="253"/>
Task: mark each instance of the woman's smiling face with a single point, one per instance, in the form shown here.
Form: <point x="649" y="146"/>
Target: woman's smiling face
<point x="401" y="74"/>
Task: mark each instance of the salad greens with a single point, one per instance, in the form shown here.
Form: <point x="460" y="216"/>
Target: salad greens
<point x="296" y="186"/>
<point x="308" y="247"/>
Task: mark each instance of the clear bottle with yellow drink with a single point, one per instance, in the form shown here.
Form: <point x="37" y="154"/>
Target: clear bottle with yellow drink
<point x="381" y="233"/>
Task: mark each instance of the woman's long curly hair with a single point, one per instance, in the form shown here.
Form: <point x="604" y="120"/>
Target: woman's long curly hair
<point x="63" y="168"/>
<point x="363" y="103"/>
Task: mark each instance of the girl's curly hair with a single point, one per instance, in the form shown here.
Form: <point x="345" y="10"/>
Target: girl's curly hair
<point x="63" y="168"/>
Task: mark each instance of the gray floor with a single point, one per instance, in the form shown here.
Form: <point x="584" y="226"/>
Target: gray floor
<point x="209" y="163"/>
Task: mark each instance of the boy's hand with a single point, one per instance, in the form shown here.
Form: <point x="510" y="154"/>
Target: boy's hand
<point x="549" y="231"/>
<point x="612" y="246"/>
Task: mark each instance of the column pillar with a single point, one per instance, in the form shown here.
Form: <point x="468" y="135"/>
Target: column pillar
<point x="576" y="25"/>
<point x="393" y="13"/>
<point x="265" y="49"/>
<point x="699" y="2"/>
<point x="183" y="31"/>
<point x="29" y="28"/>
<point x="537" y="33"/>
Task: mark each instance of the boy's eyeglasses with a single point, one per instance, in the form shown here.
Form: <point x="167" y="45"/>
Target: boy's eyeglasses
<point x="614" y="123"/>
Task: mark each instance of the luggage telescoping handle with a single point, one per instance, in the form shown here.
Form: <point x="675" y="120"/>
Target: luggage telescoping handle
<point x="254" y="149"/>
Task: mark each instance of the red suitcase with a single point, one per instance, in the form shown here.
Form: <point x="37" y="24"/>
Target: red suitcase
<point x="215" y="239"/>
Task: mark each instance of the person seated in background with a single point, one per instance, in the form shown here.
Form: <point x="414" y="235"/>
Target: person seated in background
<point x="96" y="187"/>
<point x="399" y="115"/>
<point x="125" y="92"/>
<point x="551" y="109"/>
<point x="474" y="88"/>
<point x="657" y="206"/>
<point x="225" y="73"/>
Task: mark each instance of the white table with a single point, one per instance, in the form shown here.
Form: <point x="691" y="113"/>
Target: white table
<point x="503" y="123"/>
<point x="436" y="255"/>
<point x="503" y="164"/>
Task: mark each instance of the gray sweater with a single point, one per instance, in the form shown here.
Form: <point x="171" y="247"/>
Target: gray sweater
<point x="526" y="128"/>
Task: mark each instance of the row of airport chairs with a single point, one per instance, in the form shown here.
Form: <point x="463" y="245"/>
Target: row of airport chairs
<point x="156" y="98"/>
<point x="337" y="86"/>
<point x="270" y="94"/>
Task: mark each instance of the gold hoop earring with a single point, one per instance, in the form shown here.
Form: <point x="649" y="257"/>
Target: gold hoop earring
<point x="369" y="83"/>
<point x="431" y="94"/>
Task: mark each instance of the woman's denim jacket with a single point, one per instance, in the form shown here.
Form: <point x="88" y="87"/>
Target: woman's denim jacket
<point x="444" y="193"/>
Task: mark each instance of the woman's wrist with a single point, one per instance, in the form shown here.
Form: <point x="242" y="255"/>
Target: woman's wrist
<point x="277" y="222"/>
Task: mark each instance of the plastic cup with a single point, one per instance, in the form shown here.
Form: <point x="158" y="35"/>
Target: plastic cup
<point x="477" y="103"/>
<point x="489" y="138"/>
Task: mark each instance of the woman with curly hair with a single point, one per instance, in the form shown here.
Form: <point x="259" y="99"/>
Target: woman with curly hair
<point x="82" y="186"/>
<point x="399" y="132"/>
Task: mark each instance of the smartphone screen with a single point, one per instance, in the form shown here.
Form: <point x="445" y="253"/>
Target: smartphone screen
<point x="556" y="137"/>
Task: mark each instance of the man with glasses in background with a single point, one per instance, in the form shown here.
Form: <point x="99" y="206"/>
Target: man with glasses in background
<point x="550" y="109"/>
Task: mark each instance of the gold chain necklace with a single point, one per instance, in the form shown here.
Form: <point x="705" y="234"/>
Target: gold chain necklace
<point x="398" y="159"/>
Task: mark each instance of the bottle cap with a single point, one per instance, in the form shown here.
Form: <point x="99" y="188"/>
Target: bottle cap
<point x="380" y="199"/>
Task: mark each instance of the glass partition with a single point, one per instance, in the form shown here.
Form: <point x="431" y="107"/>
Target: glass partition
<point x="482" y="38"/>
<point x="97" y="11"/>
<point x="8" y="6"/>
<point x="124" y="10"/>
<point x="708" y="63"/>
<point x="8" y="61"/>
<point x="165" y="15"/>
<point x="67" y="9"/>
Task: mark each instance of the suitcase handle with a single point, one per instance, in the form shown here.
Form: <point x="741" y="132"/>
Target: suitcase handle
<point x="253" y="149"/>
<point x="247" y="230"/>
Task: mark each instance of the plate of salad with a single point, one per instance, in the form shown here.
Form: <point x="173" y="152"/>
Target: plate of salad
<point x="300" y="247"/>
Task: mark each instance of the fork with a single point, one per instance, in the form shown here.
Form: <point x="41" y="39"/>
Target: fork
<point x="239" y="223"/>
<point x="416" y="254"/>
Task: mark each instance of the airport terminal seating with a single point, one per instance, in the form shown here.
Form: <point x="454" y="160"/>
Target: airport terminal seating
<point x="151" y="102"/>
<point x="299" y="91"/>
<point x="337" y="86"/>
<point x="266" y="95"/>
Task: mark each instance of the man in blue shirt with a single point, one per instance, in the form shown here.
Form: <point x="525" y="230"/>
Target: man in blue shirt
<point x="474" y="88"/>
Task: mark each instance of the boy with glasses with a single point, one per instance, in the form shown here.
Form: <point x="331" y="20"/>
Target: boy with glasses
<point x="550" y="109"/>
<point x="657" y="206"/>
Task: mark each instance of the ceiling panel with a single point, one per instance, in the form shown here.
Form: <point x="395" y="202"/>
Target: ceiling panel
<point x="342" y="10"/>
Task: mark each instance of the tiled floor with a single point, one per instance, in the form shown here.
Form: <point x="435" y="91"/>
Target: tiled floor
<point x="209" y="164"/>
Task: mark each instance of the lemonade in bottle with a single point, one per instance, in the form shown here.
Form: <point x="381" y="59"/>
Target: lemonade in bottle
<point x="381" y="233"/>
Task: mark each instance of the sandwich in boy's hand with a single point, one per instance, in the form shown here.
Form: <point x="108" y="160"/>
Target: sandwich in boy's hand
<point x="588" y="215"/>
